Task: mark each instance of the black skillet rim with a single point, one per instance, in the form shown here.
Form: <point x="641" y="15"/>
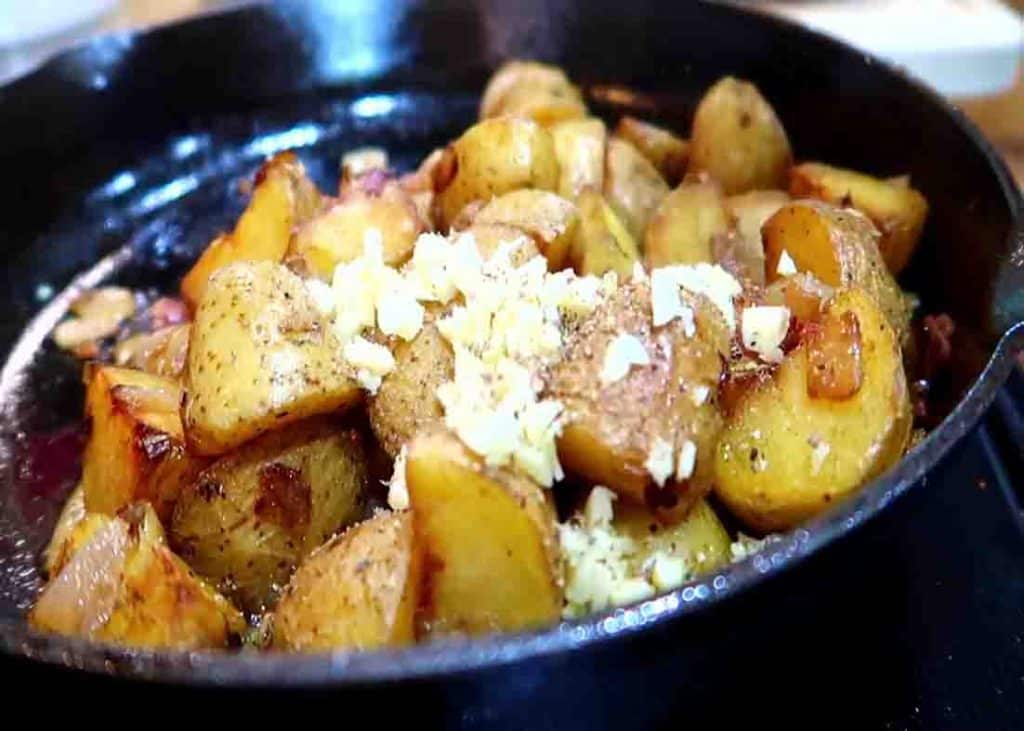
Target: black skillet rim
<point x="447" y="657"/>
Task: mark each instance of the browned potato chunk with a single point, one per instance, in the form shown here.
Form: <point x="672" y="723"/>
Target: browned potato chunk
<point x="896" y="209"/>
<point x="580" y="148"/>
<point x="490" y="237"/>
<point x="530" y="89"/>
<point x="667" y="152"/>
<point x="785" y="454"/>
<point x="685" y="224"/>
<point x="661" y="413"/>
<point x="489" y="537"/>
<point x="262" y="355"/>
<point x="632" y="185"/>
<point x="493" y="157"/>
<point x="162" y="352"/>
<point x="738" y="140"/>
<point x="700" y="539"/>
<point x="749" y="211"/>
<point x="124" y="585"/>
<point x="602" y="243"/>
<point x="282" y="199"/>
<point x="338" y="234"/>
<point x="839" y="247"/>
<point x="136" y="448"/>
<point x="252" y="516"/>
<point x="359" y="591"/>
<point x="71" y="515"/>
<point x="550" y="220"/>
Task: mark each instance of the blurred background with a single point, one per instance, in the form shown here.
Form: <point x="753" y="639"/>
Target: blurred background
<point x="969" y="50"/>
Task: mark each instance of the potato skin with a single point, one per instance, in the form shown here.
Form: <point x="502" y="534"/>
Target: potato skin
<point x="282" y="199"/>
<point x="896" y="209"/>
<point x="262" y="356"/>
<point x="534" y="90"/>
<point x="738" y="140"/>
<point x="602" y="243"/>
<point x="610" y="429"/>
<point x="771" y="469"/>
<point x="685" y="225"/>
<point x="491" y="558"/>
<point x="253" y="515"/>
<point x="358" y="591"/>
<point x="632" y="185"/>
<point x="493" y="157"/>
<point x="580" y="146"/>
<point x="666" y="151"/>
<point x="548" y="219"/>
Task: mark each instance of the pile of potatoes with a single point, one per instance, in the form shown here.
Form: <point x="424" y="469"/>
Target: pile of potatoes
<point x="232" y="461"/>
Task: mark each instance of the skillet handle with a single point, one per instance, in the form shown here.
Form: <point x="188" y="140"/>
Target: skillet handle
<point x="1008" y="303"/>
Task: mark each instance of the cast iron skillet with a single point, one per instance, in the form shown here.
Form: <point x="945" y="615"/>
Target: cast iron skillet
<point x="127" y="151"/>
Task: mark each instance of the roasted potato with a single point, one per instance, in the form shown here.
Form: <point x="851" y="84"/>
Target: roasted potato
<point x="632" y="185"/>
<point x="70" y="516"/>
<point x="614" y="430"/>
<point x="247" y="520"/>
<point x="685" y="224"/>
<point x="406" y="402"/>
<point x="359" y="591"/>
<point x="602" y="243"/>
<point x="490" y="237"/>
<point x="738" y="140"/>
<point x="262" y="355"/>
<point x="580" y="149"/>
<point x="667" y="152"/>
<point x="530" y="89"/>
<point x="124" y="585"/>
<point x="839" y="247"/>
<point x="748" y="212"/>
<point x="700" y="539"/>
<point x="549" y="219"/>
<point x="489" y="537"/>
<point x="786" y="454"/>
<point x="136" y="448"/>
<point x="161" y="352"/>
<point x="896" y="209"/>
<point x="282" y="199"/>
<point x="338" y="234"/>
<point x="493" y="157"/>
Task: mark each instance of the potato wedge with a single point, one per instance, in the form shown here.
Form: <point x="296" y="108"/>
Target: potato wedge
<point x="839" y="247"/>
<point x="247" y="520"/>
<point x="124" y="585"/>
<point x="531" y="89"/>
<point x="685" y="224"/>
<point x="161" y="353"/>
<point x="699" y="539"/>
<point x="602" y="243"/>
<point x="784" y="455"/>
<point x="667" y="152"/>
<point x="359" y="591"/>
<point x="406" y="402"/>
<point x="261" y="356"/>
<point x="549" y="219"/>
<point x="136" y="448"/>
<point x="738" y="140"/>
<point x="282" y="199"/>
<point x="748" y="212"/>
<point x="491" y="550"/>
<point x="493" y="157"/>
<point x="632" y="186"/>
<point x="613" y="430"/>
<point x="896" y="209"/>
<point x="580" y="149"/>
<point x="55" y="555"/>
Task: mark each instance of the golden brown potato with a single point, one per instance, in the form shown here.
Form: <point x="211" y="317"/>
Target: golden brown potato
<point x="602" y="243"/>
<point x="839" y="247"/>
<point x="685" y="224"/>
<point x="249" y="518"/>
<point x="490" y="237"/>
<point x="262" y="355"/>
<point x="896" y="209"/>
<point x="530" y="89"/>
<point x="700" y="539"/>
<point x="71" y="515"/>
<point x="493" y="157"/>
<point x="282" y="199"/>
<point x="125" y="586"/>
<point x="136" y="448"/>
<point x="580" y="148"/>
<point x="667" y="152"/>
<point x="738" y="140"/>
<point x="406" y="402"/>
<point x="785" y="455"/>
<point x="338" y="234"/>
<point x="748" y="212"/>
<point x="632" y="185"/>
<point x="550" y="220"/>
<point x="614" y="430"/>
<point x="489" y="537"/>
<point x="359" y="591"/>
<point x="162" y="352"/>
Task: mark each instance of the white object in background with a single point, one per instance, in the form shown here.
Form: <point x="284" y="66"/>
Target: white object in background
<point x="24" y="21"/>
<point x="959" y="47"/>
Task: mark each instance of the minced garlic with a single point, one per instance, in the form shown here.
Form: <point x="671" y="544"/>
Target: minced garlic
<point x="623" y="352"/>
<point x="710" y="280"/>
<point x="398" y="492"/>
<point x="763" y="330"/>
<point x="660" y="463"/>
